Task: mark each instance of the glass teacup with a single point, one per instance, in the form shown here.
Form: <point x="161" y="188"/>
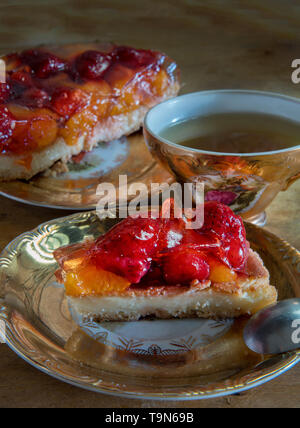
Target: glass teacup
<point x="246" y="182"/>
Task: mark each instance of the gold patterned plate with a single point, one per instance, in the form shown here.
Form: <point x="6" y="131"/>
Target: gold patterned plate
<point x="77" y="188"/>
<point x="169" y="359"/>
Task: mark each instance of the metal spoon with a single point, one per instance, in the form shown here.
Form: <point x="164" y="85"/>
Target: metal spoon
<point x="275" y="329"/>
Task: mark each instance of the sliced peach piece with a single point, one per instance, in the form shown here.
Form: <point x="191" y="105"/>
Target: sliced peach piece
<point x="100" y="87"/>
<point x="160" y="82"/>
<point x="91" y="281"/>
<point x="221" y="273"/>
<point x="80" y="125"/>
<point x="119" y="76"/>
<point x="43" y="131"/>
<point x="24" y="113"/>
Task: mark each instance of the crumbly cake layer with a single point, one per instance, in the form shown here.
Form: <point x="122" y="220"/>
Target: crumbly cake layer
<point x="202" y="304"/>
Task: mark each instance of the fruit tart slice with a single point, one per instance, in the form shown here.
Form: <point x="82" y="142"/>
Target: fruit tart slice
<point x="58" y="102"/>
<point x="160" y="268"/>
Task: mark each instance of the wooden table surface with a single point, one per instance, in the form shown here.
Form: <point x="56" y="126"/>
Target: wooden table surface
<point x="218" y="44"/>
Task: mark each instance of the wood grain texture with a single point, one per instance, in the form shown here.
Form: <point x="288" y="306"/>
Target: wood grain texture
<point x="218" y="44"/>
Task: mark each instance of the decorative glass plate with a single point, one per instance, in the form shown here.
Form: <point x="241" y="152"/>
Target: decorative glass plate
<point x="76" y="189"/>
<point x="172" y="359"/>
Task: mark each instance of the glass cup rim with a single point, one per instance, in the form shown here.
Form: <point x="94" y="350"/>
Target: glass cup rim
<point x="245" y="92"/>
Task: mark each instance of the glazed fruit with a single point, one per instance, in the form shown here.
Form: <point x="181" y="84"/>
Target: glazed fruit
<point x="185" y="265"/>
<point x="155" y="251"/>
<point x="66" y="101"/>
<point x="6" y="125"/>
<point x="80" y="87"/>
<point x="24" y="129"/>
<point x="140" y="270"/>
<point x="90" y="65"/>
<point x="34" y="97"/>
<point x="221" y="222"/>
<point x="4" y="92"/>
<point x="127" y="250"/>
<point x="42" y="63"/>
<point x="21" y="78"/>
<point x="132" y="58"/>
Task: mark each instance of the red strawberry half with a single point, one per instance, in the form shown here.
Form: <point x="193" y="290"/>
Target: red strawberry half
<point x="43" y="64"/>
<point x="184" y="265"/>
<point x="221" y="221"/>
<point x="127" y="250"/>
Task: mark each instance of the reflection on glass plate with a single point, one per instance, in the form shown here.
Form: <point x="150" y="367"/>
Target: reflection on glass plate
<point x="170" y="359"/>
<point x="159" y="337"/>
<point x="76" y="188"/>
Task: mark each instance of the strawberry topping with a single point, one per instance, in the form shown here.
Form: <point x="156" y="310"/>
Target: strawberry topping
<point x="90" y="65"/>
<point x="6" y="124"/>
<point x="35" y="97"/>
<point x="222" y="223"/>
<point x="4" y="92"/>
<point x="133" y="58"/>
<point x="42" y="63"/>
<point x="77" y="90"/>
<point x="185" y="265"/>
<point x="66" y="101"/>
<point x="152" y="250"/>
<point x="21" y="78"/>
<point x="127" y="250"/>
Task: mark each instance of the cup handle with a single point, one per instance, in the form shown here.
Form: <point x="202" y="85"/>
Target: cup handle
<point x="291" y="180"/>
